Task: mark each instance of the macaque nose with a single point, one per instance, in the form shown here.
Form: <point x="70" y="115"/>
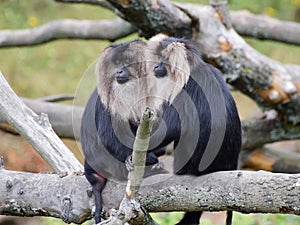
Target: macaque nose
<point x="122" y="76"/>
<point x="160" y="69"/>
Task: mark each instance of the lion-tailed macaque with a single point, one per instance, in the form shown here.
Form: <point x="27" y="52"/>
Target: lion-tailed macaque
<point x="197" y="109"/>
<point x="111" y="117"/>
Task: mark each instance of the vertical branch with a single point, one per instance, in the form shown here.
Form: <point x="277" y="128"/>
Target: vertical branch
<point x="130" y="209"/>
<point x="140" y="147"/>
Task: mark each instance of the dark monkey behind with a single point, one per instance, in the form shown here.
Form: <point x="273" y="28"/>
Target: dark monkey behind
<point x="197" y="110"/>
<point x="111" y="116"/>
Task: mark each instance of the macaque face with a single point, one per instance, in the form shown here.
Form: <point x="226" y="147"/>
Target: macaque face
<point x="122" y="79"/>
<point x="170" y="65"/>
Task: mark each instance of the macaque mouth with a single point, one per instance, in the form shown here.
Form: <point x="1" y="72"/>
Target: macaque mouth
<point x="122" y="76"/>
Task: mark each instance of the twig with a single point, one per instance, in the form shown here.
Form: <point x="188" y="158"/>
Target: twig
<point x="56" y="98"/>
<point x="130" y="209"/>
<point x="140" y="147"/>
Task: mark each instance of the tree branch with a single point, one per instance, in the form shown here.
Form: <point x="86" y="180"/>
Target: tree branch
<point x="265" y="28"/>
<point x="244" y="23"/>
<point x="270" y="160"/>
<point x="67" y="28"/>
<point x="153" y="17"/>
<point x="130" y="209"/>
<point x="56" y="98"/>
<point x="271" y="84"/>
<point x="260" y="131"/>
<point x="27" y="194"/>
<point x="256" y="132"/>
<point x="37" y="130"/>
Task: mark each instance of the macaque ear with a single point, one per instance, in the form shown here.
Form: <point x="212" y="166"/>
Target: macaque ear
<point x="158" y="38"/>
<point x="154" y="44"/>
<point x="176" y="56"/>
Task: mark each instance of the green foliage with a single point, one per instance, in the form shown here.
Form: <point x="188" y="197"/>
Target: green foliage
<point x="173" y="218"/>
<point x="265" y="219"/>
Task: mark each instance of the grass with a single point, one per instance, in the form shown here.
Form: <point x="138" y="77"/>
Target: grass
<point x="58" y="66"/>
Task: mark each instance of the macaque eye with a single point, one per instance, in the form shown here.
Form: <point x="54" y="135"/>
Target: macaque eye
<point x="127" y="61"/>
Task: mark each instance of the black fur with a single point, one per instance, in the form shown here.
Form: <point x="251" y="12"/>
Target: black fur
<point x="107" y="142"/>
<point x="192" y="105"/>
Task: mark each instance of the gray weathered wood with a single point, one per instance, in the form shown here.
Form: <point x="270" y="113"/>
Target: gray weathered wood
<point x="30" y="194"/>
<point x="37" y="130"/>
<point x="67" y="28"/>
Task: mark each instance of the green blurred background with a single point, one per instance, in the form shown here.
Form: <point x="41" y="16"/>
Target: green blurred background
<point x="57" y="67"/>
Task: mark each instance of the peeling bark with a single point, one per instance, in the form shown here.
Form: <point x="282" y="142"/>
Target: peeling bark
<point x="61" y="196"/>
<point x="271" y="84"/>
<point x="152" y="17"/>
<point x="69" y="197"/>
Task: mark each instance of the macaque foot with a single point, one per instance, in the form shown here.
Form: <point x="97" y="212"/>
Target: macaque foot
<point x="129" y="164"/>
<point x="158" y="166"/>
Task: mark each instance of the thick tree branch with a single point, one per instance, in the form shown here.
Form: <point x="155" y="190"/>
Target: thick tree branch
<point x="260" y="131"/>
<point x="65" y="119"/>
<point x="130" y="210"/>
<point x="270" y="160"/>
<point x="245" y="23"/>
<point x="152" y="17"/>
<point x="265" y="28"/>
<point x="256" y="132"/>
<point x="37" y="130"/>
<point x="67" y="28"/>
<point x="28" y="194"/>
<point x="271" y="84"/>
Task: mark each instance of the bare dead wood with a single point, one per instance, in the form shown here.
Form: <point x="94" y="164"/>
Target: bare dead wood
<point x="140" y="148"/>
<point x="29" y="194"/>
<point x="130" y="210"/>
<point x="256" y="132"/>
<point x="67" y="28"/>
<point x="265" y="28"/>
<point x="270" y="160"/>
<point x="260" y="131"/>
<point x="65" y="119"/>
<point x="245" y="23"/>
<point x="152" y="17"/>
<point x="270" y="83"/>
<point x="37" y="130"/>
<point x="60" y="196"/>
<point x="56" y="98"/>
